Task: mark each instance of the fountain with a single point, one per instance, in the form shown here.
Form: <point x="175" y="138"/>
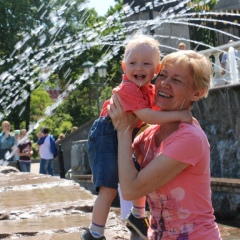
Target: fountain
<point x="31" y="65"/>
<point x="233" y="66"/>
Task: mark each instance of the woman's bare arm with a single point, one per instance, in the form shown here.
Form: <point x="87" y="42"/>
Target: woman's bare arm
<point x="136" y="184"/>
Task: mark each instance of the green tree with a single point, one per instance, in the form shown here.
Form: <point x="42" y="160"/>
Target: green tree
<point x="40" y="99"/>
<point x="40" y="43"/>
<point x="82" y="103"/>
<point x="199" y="32"/>
<point x="29" y="29"/>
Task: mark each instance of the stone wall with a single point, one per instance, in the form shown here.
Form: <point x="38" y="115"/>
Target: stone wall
<point x="219" y="116"/>
<point x="66" y="144"/>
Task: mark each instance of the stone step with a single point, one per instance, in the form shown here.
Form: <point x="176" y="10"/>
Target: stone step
<point x="35" y="206"/>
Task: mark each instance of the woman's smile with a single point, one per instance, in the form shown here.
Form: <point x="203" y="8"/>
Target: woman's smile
<point x="165" y="95"/>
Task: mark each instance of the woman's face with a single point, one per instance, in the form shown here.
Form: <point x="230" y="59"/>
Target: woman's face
<point x="174" y="88"/>
<point x="6" y="127"/>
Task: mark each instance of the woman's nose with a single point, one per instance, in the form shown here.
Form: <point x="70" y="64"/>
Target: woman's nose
<point x="163" y="81"/>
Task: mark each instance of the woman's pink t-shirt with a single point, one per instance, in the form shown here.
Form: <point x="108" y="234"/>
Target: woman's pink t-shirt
<point x="182" y="208"/>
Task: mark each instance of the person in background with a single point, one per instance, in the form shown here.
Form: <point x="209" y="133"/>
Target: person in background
<point x="60" y="137"/>
<point x="46" y="155"/>
<point x="182" y="46"/>
<point x="16" y="156"/>
<point x="74" y="129"/>
<point x="225" y="60"/>
<point x="140" y="64"/>
<point x="25" y="151"/>
<point x="7" y="143"/>
<point x="174" y="156"/>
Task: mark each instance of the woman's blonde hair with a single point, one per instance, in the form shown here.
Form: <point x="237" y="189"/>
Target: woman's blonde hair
<point x="5" y="122"/>
<point x="23" y="131"/>
<point x="199" y="65"/>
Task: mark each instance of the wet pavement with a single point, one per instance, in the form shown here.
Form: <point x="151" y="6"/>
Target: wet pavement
<point x="36" y="206"/>
<point x="41" y="207"/>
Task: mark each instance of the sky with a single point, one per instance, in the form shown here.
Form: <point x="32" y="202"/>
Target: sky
<point x="101" y="6"/>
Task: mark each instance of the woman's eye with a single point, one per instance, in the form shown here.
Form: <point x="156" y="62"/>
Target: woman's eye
<point x="176" y="80"/>
<point x="161" y="75"/>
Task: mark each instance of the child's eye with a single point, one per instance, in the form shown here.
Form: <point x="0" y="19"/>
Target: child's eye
<point x="132" y="63"/>
<point x="146" y="63"/>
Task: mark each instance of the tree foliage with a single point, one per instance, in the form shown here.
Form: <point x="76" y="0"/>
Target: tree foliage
<point x="40" y="99"/>
<point x="199" y="32"/>
<point x="35" y="26"/>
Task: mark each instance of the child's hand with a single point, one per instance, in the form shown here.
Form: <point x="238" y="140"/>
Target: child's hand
<point x="186" y="116"/>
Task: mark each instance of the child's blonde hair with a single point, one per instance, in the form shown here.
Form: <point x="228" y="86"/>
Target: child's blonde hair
<point x="145" y="40"/>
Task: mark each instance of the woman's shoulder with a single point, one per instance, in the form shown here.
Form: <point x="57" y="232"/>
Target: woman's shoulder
<point x="195" y="127"/>
<point x="193" y="132"/>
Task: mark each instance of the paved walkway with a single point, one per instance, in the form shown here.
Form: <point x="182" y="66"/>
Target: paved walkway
<point x="48" y="208"/>
<point x="228" y="232"/>
<point x="35" y="167"/>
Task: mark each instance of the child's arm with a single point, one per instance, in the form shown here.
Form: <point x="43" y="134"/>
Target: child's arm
<point x="155" y="117"/>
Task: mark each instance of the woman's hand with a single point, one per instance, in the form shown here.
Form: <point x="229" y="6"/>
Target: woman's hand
<point x="122" y="121"/>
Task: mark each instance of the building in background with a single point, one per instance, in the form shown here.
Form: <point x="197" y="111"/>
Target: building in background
<point x="170" y="33"/>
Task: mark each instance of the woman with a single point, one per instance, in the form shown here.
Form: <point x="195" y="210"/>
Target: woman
<point x="6" y="142"/>
<point x="25" y="151"/>
<point x="175" y="157"/>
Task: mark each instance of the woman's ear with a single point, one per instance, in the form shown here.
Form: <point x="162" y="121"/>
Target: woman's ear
<point x="198" y="94"/>
<point x="123" y="66"/>
<point x="158" y="69"/>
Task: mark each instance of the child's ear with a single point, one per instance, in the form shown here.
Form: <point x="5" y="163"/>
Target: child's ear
<point x="158" y="69"/>
<point x="123" y="66"/>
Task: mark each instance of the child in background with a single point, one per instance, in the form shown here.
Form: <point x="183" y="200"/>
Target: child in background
<point x="25" y="151"/>
<point x="140" y="64"/>
<point x="16" y="156"/>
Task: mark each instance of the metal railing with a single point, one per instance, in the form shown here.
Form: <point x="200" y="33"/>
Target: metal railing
<point x="215" y="54"/>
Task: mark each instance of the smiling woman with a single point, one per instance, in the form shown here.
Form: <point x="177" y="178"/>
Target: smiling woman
<point x="141" y="62"/>
<point x="100" y="7"/>
<point x="174" y="156"/>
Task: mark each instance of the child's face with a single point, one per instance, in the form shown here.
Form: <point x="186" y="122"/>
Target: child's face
<point x="140" y="64"/>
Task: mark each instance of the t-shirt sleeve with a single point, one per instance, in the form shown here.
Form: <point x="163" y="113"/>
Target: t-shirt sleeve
<point x="175" y="147"/>
<point x="104" y="111"/>
<point x="131" y="97"/>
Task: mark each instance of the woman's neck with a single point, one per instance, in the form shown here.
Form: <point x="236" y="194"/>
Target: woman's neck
<point x="165" y="131"/>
